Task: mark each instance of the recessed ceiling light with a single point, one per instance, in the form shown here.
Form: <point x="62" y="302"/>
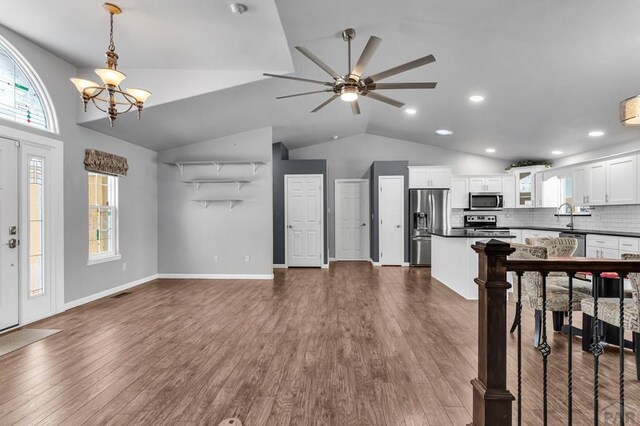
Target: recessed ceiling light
<point x="490" y="150"/>
<point x="596" y="133"/>
<point x="334" y="137"/>
<point x="444" y="132"/>
<point x="476" y="99"/>
<point x="556" y="152"/>
<point x="410" y="111"/>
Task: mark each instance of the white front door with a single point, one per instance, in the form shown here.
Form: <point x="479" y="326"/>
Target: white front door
<point x="9" y="286"/>
<point x="352" y="219"/>
<point x="391" y="212"/>
<point x="304" y="207"/>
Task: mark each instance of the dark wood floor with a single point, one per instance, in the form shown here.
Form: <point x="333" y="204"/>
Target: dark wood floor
<point x="350" y="345"/>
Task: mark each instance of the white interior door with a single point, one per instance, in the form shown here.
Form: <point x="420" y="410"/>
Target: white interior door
<point x="391" y="212"/>
<point x="9" y="286"/>
<point x="352" y="219"/>
<point x="304" y="207"/>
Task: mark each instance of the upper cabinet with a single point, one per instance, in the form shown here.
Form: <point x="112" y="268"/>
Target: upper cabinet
<point x="425" y="177"/>
<point x="509" y="191"/>
<point x="607" y="182"/>
<point x="459" y="193"/>
<point x="525" y="185"/>
<point x="485" y="184"/>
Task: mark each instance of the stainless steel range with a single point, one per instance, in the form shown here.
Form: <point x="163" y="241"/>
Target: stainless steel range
<point x="484" y="223"/>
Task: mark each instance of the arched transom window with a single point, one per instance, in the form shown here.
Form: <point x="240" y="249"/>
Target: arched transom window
<point x="23" y="98"/>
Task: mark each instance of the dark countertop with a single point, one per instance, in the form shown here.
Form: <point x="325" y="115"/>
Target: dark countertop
<point x="470" y="233"/>
<point x="580" y="231"/>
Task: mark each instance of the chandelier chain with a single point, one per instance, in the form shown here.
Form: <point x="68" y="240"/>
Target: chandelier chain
<point x="112" y="46"/>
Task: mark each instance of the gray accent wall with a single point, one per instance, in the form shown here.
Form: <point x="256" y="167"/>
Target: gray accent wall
<point x="189" y="236"/>
<point x="283" y="166"/>
<point x="351" y="158"/>
<point x="387" y="168"/>
<point x="138" y="192"/>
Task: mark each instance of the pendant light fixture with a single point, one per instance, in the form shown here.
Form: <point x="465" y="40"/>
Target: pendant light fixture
<point x="114" y="96"/>
<point x="630" y="111"/>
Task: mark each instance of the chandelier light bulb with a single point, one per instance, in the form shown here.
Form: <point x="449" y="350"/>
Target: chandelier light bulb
<point x="140" y="95"/>
<point x="110" y="77"/>
<point x="85" y="87"/>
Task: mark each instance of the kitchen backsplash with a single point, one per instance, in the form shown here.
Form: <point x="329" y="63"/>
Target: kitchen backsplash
<point x="603" y="218"/>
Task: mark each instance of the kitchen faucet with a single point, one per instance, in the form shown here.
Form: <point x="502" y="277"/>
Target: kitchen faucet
<point x="570" y="224"/>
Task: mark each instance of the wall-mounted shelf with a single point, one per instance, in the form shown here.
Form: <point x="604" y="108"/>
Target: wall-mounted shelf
<point x="206" y="203"/>
<point x="219" y="164"/>
<point x="199" y="182"/>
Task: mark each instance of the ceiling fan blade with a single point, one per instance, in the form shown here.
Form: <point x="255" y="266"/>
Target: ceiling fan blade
<point x="325" y="103"/>
<point x="326" y="83"/>
<point x="385" y="99"/>
<point x="366" y="55"/>
<point x="386" y="86"/>
<point x="318" y="62"/>
<point x="400" y="69"/>
<point x="305" y="93"/>
<point x="355" y="107"/>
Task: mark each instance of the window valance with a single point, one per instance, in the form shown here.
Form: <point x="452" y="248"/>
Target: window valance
<point x="103" y="162"/>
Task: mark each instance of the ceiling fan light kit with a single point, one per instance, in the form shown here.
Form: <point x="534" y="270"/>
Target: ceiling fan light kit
<point x="351" y="86"/>
<point x="630" y="111"/>
<point x="111" y="79"/>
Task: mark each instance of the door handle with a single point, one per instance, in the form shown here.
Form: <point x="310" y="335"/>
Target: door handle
<point x="290" y="227"/>
<point x="13" y="243"/>
<point x="364" y="224"/>
<point x="398" y="226"/>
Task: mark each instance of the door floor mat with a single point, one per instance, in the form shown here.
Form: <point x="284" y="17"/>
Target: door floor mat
<point x="19" y="339"/>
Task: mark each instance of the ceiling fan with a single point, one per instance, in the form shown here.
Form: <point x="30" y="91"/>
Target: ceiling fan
<point x="352" y="85"/>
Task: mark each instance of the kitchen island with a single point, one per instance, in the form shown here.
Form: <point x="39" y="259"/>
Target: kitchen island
<point x="453" y="261"/>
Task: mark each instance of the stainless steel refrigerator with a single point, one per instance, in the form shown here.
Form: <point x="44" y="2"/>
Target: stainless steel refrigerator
<point x="429" y="211"/>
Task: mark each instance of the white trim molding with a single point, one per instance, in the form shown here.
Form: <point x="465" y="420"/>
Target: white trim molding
<point x="280" y="266"/>
<point x="218" y="276"/>
<point x="109" y="292"/>
<point x="374" y="263"/>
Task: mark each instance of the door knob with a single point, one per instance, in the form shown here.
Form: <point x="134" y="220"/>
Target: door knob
<point x="364" y="224"/>
<point x="398" y="226"/>
<point x="13" y="243"/>
<point x="290" y="227"/>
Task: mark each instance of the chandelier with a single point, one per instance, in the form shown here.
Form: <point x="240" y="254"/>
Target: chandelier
<point x="630" y="111"/>
<point x="113" y="96"/>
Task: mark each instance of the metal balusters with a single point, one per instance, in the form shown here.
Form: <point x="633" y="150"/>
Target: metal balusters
<point x="621" y="348"/>
<point x="596" y="349"/>
<point x="570" y="356"/>
<point x="544" y="348"/>
<point x="519" y="325"/>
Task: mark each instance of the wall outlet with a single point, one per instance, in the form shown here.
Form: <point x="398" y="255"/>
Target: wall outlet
<point x="124" y="266"/>
<point x="216" y="258"/>
<point x="247" y="259"/>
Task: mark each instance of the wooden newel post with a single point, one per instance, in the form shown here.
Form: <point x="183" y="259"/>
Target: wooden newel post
<point x="491" y="398"/>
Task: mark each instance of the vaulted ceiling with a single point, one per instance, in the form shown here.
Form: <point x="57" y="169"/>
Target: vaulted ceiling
<point x="550" y="71"/>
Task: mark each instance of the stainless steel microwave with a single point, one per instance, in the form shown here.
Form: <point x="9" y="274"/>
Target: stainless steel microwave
<point x="486" y="201"/>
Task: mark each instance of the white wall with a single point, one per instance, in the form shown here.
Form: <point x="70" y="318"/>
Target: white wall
<point x="190" y="237"/>
<point x="605" y="151"/>
<point x="138" y="191"/>
<point x="350" y="158"/>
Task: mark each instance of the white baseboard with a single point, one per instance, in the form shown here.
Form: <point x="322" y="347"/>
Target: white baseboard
<point x="279" y="266"/>
<point x="406" y="264"/>
<point x="325" y="266"/>
<point x="332" y="259"/>
<point x="109" y="292"/>
<point x="374" y="263"/>
<point x="218" y="276"/>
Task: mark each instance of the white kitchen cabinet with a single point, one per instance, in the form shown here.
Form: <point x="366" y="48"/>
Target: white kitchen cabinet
<point x="597" y="183"/>
<point x="579" y="182"/>
<point x="485" y="184"/>
<point x="603" y="246"/>
<point x="621" y="181"/>
<point x="509" y="192"/>
<point x="518" y="233"/>
<point x="459" y="193"/>
<point x="628" y="245"/>
<point x="525" y="185"/>
<point x="429" y="177"/>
